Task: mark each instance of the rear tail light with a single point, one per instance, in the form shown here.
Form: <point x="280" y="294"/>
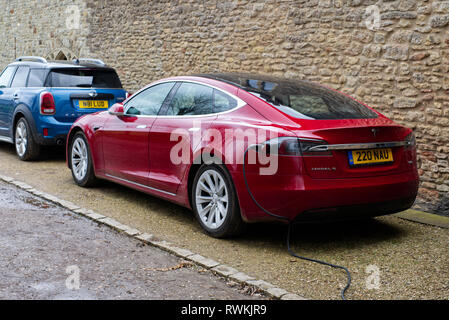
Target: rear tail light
<point x="47" y="105"/>
<point x="128" y="94"/>
<point x="411" y="140"/>
<point x="410" y="149"/>
<point x="291" y="146"/>
<point x="288" y="146"/>
<point x="314" y="147"/>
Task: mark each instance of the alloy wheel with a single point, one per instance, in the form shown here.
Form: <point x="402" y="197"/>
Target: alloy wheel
<point x="212" y="199"/>
<point x="80" y="159"/>
<point x="21" y="138"/>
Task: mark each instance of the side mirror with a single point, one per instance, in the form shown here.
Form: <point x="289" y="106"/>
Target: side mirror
<point x="117" y="110"/>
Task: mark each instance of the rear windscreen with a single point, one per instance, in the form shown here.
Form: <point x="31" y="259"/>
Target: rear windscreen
<point x="298" y="98"/>
<point x="83" y="78"/>
<point x="308" y="101"/>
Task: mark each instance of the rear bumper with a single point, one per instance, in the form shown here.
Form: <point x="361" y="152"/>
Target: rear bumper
<point x="56" y="131"/>
<point x="59" y="140"/>
<point x="300" y="197"/>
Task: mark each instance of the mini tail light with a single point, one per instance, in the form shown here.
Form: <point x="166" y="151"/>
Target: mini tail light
<point x="47" y="106"/>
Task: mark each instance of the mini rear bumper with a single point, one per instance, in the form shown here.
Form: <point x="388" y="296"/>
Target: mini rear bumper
<point x="56" y="131"/>
<point x="59" y="140"/>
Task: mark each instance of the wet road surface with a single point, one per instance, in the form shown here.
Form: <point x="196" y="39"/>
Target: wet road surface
<point x="48" y="252"/>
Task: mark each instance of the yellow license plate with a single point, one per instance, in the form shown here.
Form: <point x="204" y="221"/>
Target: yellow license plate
<point x="94" y="104"/>
<point x="370" y="156"/>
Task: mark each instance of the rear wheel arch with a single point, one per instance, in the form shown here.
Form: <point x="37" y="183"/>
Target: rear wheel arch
<point x="22" y="111"/>
<point x="16" y="119"/>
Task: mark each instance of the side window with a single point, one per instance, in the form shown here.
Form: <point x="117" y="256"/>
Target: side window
<point x="223" y="102"/>
<point x="149" y="102"/>
<point x="5" y="78"/>
<point x="192" y="99"/>
<point x="20" y="78"/>
<point x="37" y="78"/>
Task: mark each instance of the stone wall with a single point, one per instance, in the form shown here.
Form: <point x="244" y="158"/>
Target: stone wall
<point x="397" y="61"/>
<point x="43" y="27"/>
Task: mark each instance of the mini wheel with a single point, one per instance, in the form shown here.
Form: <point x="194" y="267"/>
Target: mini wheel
<point x="26" y="147"/>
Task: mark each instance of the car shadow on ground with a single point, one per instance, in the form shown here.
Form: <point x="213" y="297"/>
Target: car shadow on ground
<point x="54" y="153"/>
<point x="326" y="235"/>
<point x="7" y="148"/>
<point x="48" y="153"/>
<point x="330" y="235"/>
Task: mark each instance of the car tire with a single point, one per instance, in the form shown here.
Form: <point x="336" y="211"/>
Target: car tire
<point x="215" y="203"/>
<point x="80" y="160"/>
<point x="27" y="148"/>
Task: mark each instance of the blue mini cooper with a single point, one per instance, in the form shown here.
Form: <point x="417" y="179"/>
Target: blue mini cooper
<point x="40" y="99"/>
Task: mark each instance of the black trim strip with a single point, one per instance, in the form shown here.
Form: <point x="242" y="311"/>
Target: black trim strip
<point x="86" y="96"/>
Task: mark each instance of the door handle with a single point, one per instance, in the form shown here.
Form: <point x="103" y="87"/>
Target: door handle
<point x="16" y="96"/>
<point x="95" y="128"/>
<point x="142" y="126"/>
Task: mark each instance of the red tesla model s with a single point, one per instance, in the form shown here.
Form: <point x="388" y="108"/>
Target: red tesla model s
<point x="238" y="148"/>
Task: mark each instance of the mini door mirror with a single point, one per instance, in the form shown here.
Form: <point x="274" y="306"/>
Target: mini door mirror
<point x="117" y="110"/>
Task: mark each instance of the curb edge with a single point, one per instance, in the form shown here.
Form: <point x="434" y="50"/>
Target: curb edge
<point x="215" y="267"/>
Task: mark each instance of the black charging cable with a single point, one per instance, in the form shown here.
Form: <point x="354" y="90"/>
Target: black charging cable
<point x="289" y="231"/>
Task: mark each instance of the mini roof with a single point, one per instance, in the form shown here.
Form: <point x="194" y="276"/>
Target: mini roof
<point x="39" y="62"/>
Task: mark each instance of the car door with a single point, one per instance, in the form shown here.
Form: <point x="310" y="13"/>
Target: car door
<point x="189" y="113"/>
<point x="125" y="138"/>
<point x="6" y="100"/>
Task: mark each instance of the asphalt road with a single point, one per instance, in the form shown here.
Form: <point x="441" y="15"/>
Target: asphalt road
<point x="389" y="258"/>
<point x="48" y="252"/>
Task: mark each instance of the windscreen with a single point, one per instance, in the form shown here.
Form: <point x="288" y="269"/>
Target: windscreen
<point x="308" y="101"/>
<point x="84" y="78"/>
